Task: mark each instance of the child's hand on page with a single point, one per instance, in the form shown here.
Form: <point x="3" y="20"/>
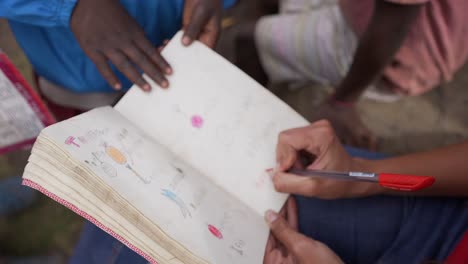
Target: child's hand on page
<point x="287" y="246"/>
<point x="202" y="21"/>
<point x="320" y="145"/>
<point x="107" y="33"/>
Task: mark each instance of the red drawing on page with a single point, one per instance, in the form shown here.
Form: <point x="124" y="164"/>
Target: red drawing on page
<point x="197" y="121"/>
<point x="71" y="141"/>
<point x="270" y="172"/>
<point x="264" y="177"/>
<point x="215" y="232"/>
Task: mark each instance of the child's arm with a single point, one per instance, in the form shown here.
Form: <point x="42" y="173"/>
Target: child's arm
<point x="448" y="165"/>
<point x="378" y="45"/>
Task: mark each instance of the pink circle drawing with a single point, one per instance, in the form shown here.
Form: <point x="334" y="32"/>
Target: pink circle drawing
<point x="215" y="232"/>
<point x="197" y="121"/>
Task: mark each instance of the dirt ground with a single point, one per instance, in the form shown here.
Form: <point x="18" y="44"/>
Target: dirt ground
<point x="411" y="124"/>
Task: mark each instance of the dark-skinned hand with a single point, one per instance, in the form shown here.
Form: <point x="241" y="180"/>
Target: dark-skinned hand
<point x="108" y="34"/>
<point x="202" y="21"/>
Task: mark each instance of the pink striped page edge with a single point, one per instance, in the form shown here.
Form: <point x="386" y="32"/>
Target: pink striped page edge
<point x="75" y="209"/>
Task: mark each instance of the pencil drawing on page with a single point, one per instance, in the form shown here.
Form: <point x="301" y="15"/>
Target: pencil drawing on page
<point x="111" y="149"/>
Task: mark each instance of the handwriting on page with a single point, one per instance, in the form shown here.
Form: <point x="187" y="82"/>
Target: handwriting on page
<point x="264" y="178"/>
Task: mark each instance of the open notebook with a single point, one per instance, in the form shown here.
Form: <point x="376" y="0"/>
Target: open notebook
<point x="178" y="175"/>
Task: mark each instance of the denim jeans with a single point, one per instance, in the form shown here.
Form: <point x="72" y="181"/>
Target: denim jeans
<point x="379" y="229"/>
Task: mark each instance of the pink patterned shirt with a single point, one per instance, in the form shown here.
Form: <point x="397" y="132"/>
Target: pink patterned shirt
<point x="436" y="47"/>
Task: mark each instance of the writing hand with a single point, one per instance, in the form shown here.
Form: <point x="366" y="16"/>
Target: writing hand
<point x="319" y="144"/>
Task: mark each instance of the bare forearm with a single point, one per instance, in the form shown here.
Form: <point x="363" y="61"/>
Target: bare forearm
<point x="449" y="165"/>
<point x="378" y="45"/>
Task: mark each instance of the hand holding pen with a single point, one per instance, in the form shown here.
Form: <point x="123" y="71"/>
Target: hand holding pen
<point x="329" y="166"/>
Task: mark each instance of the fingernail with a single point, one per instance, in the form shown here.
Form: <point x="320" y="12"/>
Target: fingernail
<point x="146" y="87"/>
<point x="164" y="84"/>
<point x="270" y="216"/>
<point x="118" y="86"/>
<point x="168" y="71"/>
<point x="186" y="40"/>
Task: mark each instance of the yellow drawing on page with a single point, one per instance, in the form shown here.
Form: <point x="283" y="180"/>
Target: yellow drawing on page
<point x="118" y="157"/>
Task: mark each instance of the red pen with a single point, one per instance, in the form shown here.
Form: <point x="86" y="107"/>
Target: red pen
<point x="398" y="182"/>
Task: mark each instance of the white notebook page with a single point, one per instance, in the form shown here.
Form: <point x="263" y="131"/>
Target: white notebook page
<point x="218" y="120"/>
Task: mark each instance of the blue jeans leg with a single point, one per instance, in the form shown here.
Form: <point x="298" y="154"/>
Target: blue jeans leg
<point x="96" y="247"/>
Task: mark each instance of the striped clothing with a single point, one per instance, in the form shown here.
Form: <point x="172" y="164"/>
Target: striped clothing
<point x="316" y="40"/>
<point x="308" y="40"/>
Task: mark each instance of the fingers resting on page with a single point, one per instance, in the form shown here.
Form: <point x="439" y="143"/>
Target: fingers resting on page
<point x="110" y="36"/>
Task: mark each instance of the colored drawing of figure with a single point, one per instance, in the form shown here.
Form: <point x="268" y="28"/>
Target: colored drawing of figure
<point x="173" y="197"/>
<point x="117" y="156"/>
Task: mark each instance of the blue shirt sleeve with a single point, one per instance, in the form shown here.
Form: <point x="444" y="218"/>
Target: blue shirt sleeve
<point x="46" y="13"/>
<point x="229" y="3"/>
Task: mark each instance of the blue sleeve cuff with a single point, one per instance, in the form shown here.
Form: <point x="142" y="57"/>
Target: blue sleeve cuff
<point x="64" y="11"/>
<point x="229" y="3"/>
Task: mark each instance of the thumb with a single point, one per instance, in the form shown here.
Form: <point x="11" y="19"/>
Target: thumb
<point x="281" y="230"/>
<point x="304" y="249"/>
